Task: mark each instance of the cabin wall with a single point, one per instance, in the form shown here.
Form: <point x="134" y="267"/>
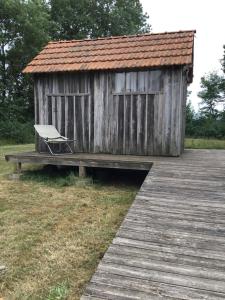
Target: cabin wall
<point x="139" y="113"/>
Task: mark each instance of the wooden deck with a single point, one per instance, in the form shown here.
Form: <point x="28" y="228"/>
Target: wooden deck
<point x="171" y="244"/>
<point x="84" y="160"/>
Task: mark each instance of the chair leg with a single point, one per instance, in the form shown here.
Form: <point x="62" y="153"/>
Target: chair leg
<point x="70" y="149"/>
<point x="49" y="148"/>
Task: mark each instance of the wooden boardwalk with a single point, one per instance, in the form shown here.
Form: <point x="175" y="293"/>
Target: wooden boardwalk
<point x="171" y="244"/>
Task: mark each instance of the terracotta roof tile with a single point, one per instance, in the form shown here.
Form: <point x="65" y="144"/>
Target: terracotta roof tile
<point x="139" y="51"/>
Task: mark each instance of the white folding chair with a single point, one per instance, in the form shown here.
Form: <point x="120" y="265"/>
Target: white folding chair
<point x="50" y="135"/>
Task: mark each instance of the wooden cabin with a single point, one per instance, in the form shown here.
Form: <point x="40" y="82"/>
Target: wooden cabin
<point x="116" y="95"/>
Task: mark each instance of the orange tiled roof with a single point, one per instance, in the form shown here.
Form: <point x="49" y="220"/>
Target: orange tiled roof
<point x="135" y="51"/>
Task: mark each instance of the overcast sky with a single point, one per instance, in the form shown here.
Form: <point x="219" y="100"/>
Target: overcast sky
<point x="207" y="17"/>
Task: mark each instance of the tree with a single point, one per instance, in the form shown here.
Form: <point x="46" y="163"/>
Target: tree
<point x="223" y="60"/>
<point x="24" y="27"/>
<point x="190" y="118"/>
<point x="96" y="18"/>
<point x="212" y="94"/>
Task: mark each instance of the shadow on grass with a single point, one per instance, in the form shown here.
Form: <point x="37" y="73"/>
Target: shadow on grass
<point x="68" y="176"/>
<point x="52" y="176"/>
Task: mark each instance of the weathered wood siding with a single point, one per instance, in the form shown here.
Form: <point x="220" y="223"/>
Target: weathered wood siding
<point x="140" y="112"/>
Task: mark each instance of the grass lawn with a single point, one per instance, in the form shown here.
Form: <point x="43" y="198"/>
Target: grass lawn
<point x="204" y="143"/>
<point x="54" y="230"/>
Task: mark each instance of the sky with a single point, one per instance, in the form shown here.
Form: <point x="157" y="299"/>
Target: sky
<point x="206" y="17"/>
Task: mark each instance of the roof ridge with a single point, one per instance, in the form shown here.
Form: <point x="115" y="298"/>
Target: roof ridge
<point x="122" y="36"/>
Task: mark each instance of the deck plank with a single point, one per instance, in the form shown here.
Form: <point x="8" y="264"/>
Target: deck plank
<point x="84" y="159"/>
<point x="171" y="244"/>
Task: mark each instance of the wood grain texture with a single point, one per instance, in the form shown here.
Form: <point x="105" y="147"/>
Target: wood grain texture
<point x="171" y="244"/>
<point x="132" y="112"/>
<point x="84" y="159"/>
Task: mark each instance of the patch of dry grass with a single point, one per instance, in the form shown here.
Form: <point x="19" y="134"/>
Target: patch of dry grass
<point x="52" y="238"/>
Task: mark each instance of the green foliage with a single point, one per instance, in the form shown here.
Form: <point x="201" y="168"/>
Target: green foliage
<point x="190" y="116"/>
<point x="198" y="126"/>
<point x="210" y="122"/>
<point x="24" y="27"/>
<point x="212" y="94"/>
<point x="20" y="133"/>
<point x="97" y="18"/>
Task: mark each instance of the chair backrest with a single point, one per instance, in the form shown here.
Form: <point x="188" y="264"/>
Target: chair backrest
<point x="47" y="131"/>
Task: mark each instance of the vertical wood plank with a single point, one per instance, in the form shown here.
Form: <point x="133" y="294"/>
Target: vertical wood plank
<point x="134" y="124"/>
<point x="91" y="115"/>
<point x="142" y="84"/>
<point x="63" y="116"/>
<point x="70" y="123"/>
<point x="120" y="82"/>
<point x="53" y="111"/>
<point x="133" y="82"/>
<point x="156" y="133"/>
<point x="184" y="100"/>
<point x="56" y="112"/>
<point x="167" y="95"/>
<point x="114" y="132"/>
<point x="154" y="80"/>
<point x="142" y="121"/>
<point x="98" y="111"/>
<point x="49" y="110"/>
<point x="151" y="124"/>
<point x="120" y="124"/>
<point x="61" y="82"/>
<point x="128" y="81"/>
<point x="78" y="124"/>
<point x="66" y="116"/>
<point x="86" y="114"/>
<point x="39" y="85"/>
<point x="59" y="108"/>
<point x="173" y="149"/>
<point x="139" y="121"/>
<point x="83" y="122"/>
<point x="127" y="125"/>
<point x="44" y="110"/>
<point x="180" y="110"/>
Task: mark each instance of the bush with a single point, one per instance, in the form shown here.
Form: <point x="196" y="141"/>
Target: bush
<point x="17" y="132"/>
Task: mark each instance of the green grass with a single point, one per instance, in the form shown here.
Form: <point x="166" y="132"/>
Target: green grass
<point x="55" y="177"/>
<point x="59" y="292"/>
<point x="6" y="167"/>
<point x="204" y="143"/>
<point x="54" y="230"/>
